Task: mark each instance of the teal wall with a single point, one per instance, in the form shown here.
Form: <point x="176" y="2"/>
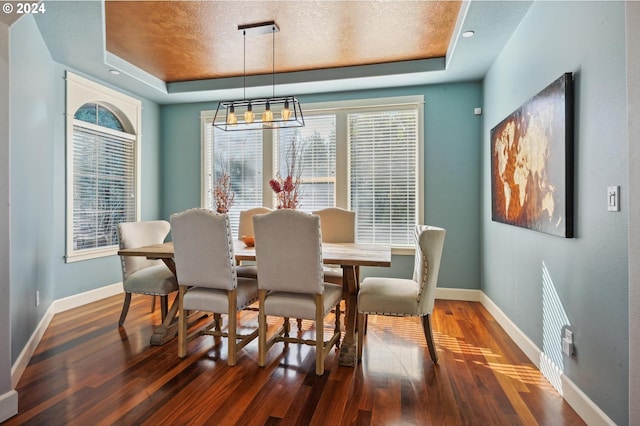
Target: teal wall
<point x="588" y="274"/>
<point x="451" y="159"/>
<point x="38" y="209"/>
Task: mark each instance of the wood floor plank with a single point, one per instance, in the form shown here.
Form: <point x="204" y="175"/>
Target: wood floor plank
<point x="86" y="370"/>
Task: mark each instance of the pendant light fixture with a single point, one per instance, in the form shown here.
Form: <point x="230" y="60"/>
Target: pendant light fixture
<point x="259" y="113"/>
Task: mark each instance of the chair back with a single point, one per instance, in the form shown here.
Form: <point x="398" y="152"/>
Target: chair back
<point x="245" y="224"/>
<point x="289" y="251"/>
<point x="338" y="225"/>
<point x="203" y="249"/>
<point x="429" y="244"/>
<point x="138" y="234"/>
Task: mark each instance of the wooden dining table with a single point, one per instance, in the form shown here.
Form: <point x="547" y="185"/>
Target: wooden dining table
<point x="350" y="256"/>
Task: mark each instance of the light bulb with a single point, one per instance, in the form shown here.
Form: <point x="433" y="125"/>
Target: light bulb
<point x="231" y="117"/>
<point x="267" y="115"/>
<point x="249" y="115"/>
<point x="286" y="112"/>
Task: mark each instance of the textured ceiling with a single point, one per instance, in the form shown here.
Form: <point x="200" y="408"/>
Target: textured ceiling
<point x="196" y="40"/>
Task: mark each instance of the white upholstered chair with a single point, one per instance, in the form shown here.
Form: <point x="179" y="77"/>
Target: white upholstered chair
<point x="245" y="227"/>
<point x="289" y="259"/>
<point x="206" y="271"/>
<point x="141" y="275"/>
<point x="338" y="226"/>
<point x="406" y="297"/>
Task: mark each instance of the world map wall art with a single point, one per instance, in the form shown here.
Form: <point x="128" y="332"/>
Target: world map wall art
<point x="532" y="162"/>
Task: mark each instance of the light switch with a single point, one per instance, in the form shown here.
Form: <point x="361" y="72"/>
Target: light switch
<point x="613" y="198"/>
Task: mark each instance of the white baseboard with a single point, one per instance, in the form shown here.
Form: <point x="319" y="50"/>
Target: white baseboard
<point x="463" y="294"/>
<point x="25" y="355"/>
<point x="8" y="405"/>
<point x="57" y="306"/>
<point x="578" y="400"/>
<point x="524" y="343"/>
<point x="585" y="407"/>
<point x="77" y="300"/>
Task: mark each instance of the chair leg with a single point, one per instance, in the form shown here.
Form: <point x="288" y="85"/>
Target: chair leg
<point x="262" y="329"/>
<point x="287" y="327"/>
<point x="153" y="304"/>
<point x="164" y="306"/>
<point x="231" y="332"/>
<point x="217" y="319"/>
<point x="299" y="324"/>
<point x="337" y="329"/>
<point x="182" y="323"/>
<point x="319" y="335"/>
<point x="125" y="308"/>
<point x="362" y="318"/>
<point x="426" y="326"/>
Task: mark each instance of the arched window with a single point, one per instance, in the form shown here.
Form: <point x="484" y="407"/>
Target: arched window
<point x="100" y="115"/>
<point x="102" y="176"/>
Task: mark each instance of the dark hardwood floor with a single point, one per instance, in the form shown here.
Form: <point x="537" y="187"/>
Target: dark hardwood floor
<point x="86" y="371"/>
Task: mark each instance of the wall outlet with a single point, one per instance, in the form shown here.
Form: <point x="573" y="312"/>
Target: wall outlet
<point x="37" y="298"/>
<point x="567" y="342"/>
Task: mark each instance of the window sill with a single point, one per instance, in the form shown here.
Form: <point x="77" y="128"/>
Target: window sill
<point x="91" y="254"/>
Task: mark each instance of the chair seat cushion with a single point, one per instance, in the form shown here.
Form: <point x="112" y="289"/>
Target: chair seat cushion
<point x="247" y="271"/>
<point x="216" y="300"/>
<point x="155" y="280"/>
<point x="298" y="305"/>
<point x="390" y="296"/>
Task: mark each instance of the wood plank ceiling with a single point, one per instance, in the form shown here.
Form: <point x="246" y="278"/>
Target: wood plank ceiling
<point x="195" y="40"/>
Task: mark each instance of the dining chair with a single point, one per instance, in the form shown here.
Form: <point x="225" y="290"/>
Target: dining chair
<point x="207" y="278"/>
<point x="141" y="275"/>
<point x="245" y="227"/>
<point x="406" y="297"/>
<point x="338" y="226"/>
<point x="289" y="259"/>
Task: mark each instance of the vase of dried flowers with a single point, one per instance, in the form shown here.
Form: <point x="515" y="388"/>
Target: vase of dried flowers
<point x="223" y="195"/>
<point x="287" y="189"/>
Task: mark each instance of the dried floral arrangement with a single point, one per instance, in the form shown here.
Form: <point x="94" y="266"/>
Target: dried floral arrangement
<point x="287" y="189"/>
<point x="223" y="195"/>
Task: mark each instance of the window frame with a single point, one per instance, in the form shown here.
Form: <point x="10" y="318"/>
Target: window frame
<point x="342" y="179"/>
<point x="128" y="110"/>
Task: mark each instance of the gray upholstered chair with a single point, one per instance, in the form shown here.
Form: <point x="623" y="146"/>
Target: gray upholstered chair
<point x="141" y="275"/>
<point x="245" y="227"/>
<point x="338" y="226"/>
<point x="406" y="297"/>
<point x="206" y="271"/>
<point x="289" y="259"/>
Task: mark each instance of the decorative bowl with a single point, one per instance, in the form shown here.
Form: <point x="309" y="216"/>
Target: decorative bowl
<point x="249" y="240"/>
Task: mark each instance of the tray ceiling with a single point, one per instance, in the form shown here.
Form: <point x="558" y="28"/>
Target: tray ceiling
<point x="179" y="41"/>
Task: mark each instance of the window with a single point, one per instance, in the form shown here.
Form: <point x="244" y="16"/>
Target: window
<point x="240" y="154"/>
<point x="384" y="169"/>
<point x="361" y="155"/>
<point x="102" y="153"/>
<point x="317" y="140"/>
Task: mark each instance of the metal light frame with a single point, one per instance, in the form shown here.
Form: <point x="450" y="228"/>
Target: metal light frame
<point x="264" y="113"/>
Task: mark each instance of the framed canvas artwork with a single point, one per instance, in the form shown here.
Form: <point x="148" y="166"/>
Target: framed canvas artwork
<point x="532" y="162"/>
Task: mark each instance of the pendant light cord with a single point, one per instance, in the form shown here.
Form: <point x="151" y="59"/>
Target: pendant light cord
<point x="273" y="62"/>
<point x="244" y="64"/>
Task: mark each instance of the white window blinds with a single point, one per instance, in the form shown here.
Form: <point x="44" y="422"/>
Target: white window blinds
<point x="240" y="154"/>
<point x="317" y="144"/>
<point x="104" y="189"/>
<point x="384" y="172"/>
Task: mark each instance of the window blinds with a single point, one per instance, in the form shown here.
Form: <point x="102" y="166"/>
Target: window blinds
<point x="317" y="144"/>
<point x="383" y="168"/>
<point x="240" y="154"/>
<point x="103" y="185"/>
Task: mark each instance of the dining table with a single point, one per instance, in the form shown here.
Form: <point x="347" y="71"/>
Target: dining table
<point x="350" y="256"/>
